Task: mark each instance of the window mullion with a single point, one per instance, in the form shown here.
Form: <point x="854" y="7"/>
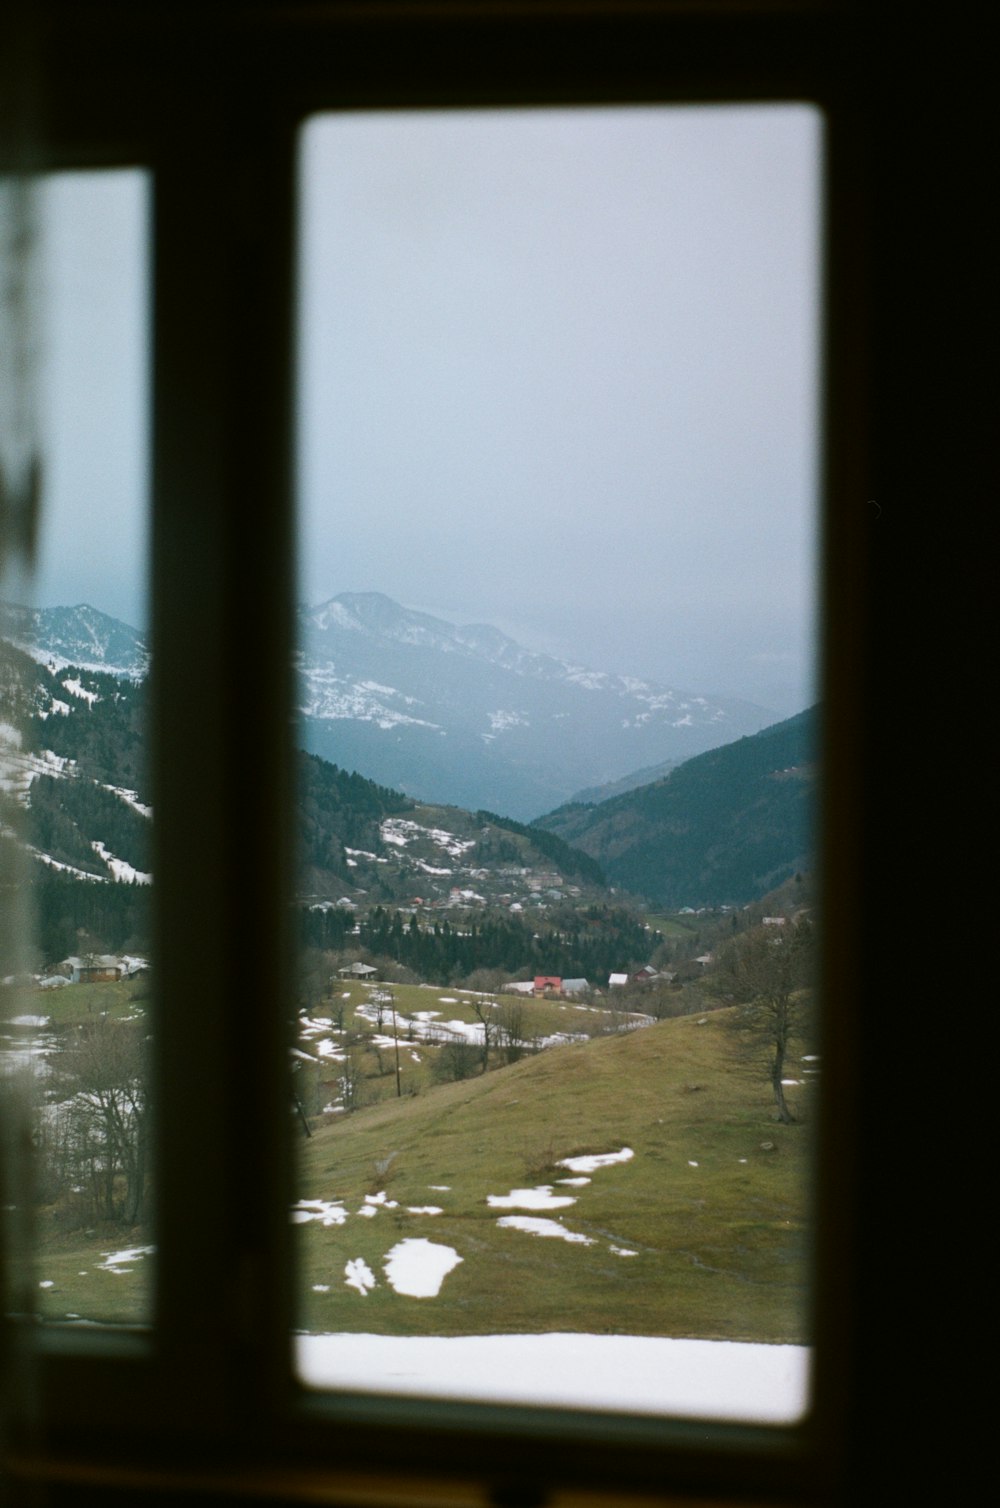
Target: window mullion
<point x="221" y="726"/>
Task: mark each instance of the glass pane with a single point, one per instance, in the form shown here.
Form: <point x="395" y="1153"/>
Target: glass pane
<point x="75" y="1019"/>
<point x="554" y="1064"/>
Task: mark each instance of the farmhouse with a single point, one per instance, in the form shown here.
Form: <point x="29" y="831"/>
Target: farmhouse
<point x="547" y="984"/>
<point x="94" y="968"/>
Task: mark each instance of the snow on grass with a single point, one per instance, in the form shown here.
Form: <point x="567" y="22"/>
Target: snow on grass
<point x="622" y="1251"/>
<point x="30" y="1021"/>
<point x="573" y="1183"/>
<point x="590" y="1164"/>
<point x="417" y="1267"/>
<point x="400" y="830"/>
<point x="121" y="1261"/>
<point x="537" y="1225"/>
<point x="357" y="1274"/>
<point x="326" y="1211"/>
<point x="424" y="1209"/>
<point x="541" y="1198"/>
<point x="630" y="1374"/>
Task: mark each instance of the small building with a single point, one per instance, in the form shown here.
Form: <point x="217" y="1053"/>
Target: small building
<point x="617" y="981"/>
<point x="358" y="971"/>
<point x="547" y="984"/>
<point x="575" y="987"/>
<point x="95" y="968"/>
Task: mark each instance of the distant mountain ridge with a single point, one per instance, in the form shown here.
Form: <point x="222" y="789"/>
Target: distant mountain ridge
<point x="80" y="636"/>
<point x="464" y="714"/>
<point x="460" y="715"/>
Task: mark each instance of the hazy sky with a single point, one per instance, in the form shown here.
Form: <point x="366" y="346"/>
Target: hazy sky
<point x="558" y="373"/>
<point x="94" y="392"/>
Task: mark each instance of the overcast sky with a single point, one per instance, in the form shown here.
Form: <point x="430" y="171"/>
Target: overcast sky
<point x="558" y="374"/>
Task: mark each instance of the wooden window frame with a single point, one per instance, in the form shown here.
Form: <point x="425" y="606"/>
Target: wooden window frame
<point x="210" y="101"/>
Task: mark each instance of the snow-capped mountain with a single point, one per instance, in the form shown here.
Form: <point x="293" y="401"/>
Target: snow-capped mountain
<point x="457" y="714"/>
<point x="82" y="636"/>
<point x="464" y="714"/>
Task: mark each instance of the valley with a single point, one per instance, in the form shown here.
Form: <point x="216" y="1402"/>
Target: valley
<point x="532" y="1064"/>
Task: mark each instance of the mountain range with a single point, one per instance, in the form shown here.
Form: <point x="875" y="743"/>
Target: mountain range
<point x="722" y="827"/>
<point x="465" y="715"/>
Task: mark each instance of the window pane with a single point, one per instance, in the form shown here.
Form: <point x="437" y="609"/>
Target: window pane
<point x="558" y="497"/>
<point x="76" y="1016"/>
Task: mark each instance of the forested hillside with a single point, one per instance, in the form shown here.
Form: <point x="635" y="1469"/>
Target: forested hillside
<point x="721" y="829"/>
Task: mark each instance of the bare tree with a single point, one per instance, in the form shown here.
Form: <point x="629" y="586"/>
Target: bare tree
<point x="769" y="971"/>
<point x="99" y="1127"/>
<point x="455" y="1058"/>
<point x="511" y="1032"/>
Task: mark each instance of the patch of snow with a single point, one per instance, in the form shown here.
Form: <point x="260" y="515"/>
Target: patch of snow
<point x="30" y="1020"/>
<point x="501" y="721"/>
<point x="590" y="1163"/>
<point x="417" y="1267"/>
<point x="382" y="1198"/>
<point x="131" y="798"/>
<point x="530" y="1199"/>
<point x="622" y="1251"/>
<point x="573" y="1183"/>
<point x="327" y="1212"/>
<point x="75" y="688"/>
<point x="424" y="1209"/>
<point x="357" y="1274"/>
<point x="120" y="1261"/>
<point x="536" y="1225"/>
<point x="123" y="872"/>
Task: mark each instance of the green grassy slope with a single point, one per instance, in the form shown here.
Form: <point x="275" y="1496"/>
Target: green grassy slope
<point x="713" y="1204"/>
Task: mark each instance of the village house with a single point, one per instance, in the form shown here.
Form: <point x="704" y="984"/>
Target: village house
<point x="575" y="987"/>
<point x="95" y="968"/>
<point x="547" y="984"/>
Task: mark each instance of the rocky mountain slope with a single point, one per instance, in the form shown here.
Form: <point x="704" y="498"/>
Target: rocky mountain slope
<point x="466" y="716"/>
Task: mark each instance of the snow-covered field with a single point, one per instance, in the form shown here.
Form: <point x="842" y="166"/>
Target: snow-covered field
<point x="698" y="1379"/>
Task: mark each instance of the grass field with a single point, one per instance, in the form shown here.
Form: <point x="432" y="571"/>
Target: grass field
<point x="711" y="1207"/>
<point x="701" y="1232"/>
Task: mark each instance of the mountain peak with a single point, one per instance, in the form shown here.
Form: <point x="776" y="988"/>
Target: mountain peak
<point x="82" y="636"/>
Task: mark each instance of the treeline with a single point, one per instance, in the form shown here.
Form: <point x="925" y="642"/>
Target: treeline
<point x="589" y="943"/>
<point x="76" y="916"/>
<point x="723" y="828"/>
<point x="336" y="809"/>
<point x="570" y="862"/>
<point x="65" y="818"/>
<point x="106" y="737"/>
